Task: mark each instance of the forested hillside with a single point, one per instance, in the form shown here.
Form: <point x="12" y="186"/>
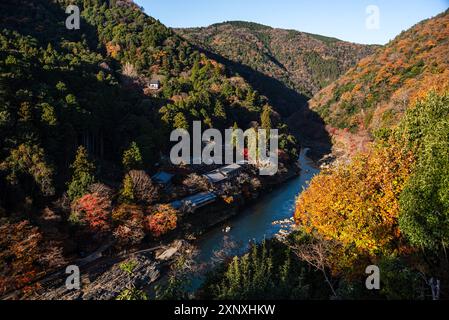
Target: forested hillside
<point x="388" y="204"/>
<point x="371" y="98"/>
<point x="287" y="66"/>
<point x="81" y="129"/>
<point x="304" y="62"/>
<point x="388" y="207"/>
<point x="85" y="123"/>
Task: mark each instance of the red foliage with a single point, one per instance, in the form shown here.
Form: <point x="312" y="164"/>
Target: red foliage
<point x="95" y="212"/>
<point x="21" y="247"/>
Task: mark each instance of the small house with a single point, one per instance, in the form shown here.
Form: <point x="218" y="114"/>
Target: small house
<point x="232" y="170"/>
<point x="154" y="85"/>
<point x="223" y="174"/>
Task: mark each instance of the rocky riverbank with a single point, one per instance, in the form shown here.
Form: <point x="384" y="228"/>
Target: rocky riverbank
<point x="109" y="277"/>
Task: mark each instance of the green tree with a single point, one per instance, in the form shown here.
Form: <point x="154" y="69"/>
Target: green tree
<point x="251" y="98"/>
<point x="83" y="174"/>
<point x="29" y="161"/>
<point x="132" y="158"/>
<point x="265" y="119"/>
<point x="265" y="272"/>
<point x="180" y="121"/>
<point x="219" y="111"/>
<point x="127" y="191"/>
<point x="424" y="216"/>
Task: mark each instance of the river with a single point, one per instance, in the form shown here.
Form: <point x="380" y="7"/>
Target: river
<point x="255" y="223"/>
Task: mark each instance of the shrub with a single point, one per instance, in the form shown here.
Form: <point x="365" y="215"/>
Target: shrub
<point x="130" y="221"/>
<point x="94" y="212"/>
<point x="132" y="294"/>
<point x="162" y="220"/>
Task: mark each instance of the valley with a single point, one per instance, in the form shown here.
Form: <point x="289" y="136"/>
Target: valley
<point x="88" y="178"/>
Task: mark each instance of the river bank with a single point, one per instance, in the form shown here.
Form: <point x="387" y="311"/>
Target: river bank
<point x="255" y="223"/>
<point x="102" y="275"/>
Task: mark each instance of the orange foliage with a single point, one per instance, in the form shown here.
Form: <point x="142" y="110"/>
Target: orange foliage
<point x="130" y="221"/>
<point x="357" y="204"/>
<point x="163" y="219"/>
<point x="414" y="63"/>
<point x="94" y="211"/>
<point x="21" y="249"/>
<point x="112" y="49"/>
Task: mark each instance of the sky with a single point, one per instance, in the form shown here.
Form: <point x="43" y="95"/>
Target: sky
<point x="361" y="21"/>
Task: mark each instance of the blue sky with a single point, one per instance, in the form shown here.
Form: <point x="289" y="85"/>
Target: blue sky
<point x="343" y="19"/>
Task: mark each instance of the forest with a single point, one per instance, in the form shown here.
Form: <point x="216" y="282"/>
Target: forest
<point x="85" y="121"/>
<point x="82" y="132"/>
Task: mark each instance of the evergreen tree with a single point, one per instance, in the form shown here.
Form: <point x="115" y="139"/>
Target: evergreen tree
<point x="127" y="191"/>
<point x="180" y="122"/>
<point x="265" y="119"/>
<point x="132" y="158"/>
<point x="219" y="111"/>
<point x="82" y="177"/>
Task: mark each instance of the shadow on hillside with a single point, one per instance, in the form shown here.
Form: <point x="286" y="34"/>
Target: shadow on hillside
<point x="45" y="21"/>
<point x="304" y="123"/>
<point x="309" y="127"/>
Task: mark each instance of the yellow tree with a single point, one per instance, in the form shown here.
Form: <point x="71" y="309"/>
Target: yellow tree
<point x="358" y="204"/>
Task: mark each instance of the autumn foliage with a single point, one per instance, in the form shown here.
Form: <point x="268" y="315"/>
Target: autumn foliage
<point x="129" y="219"/>
<point x="374" y="95"/>
<point x="24" y="256"/>
<point x="162" y="219"/>
<point x="358" y="204"/>
<point x="93" y="211"/>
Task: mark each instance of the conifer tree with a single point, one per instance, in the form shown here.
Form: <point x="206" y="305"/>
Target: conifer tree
<point x="132" y="158"/>
<point x="83" y="174"/>
<point x="265" y="118"/>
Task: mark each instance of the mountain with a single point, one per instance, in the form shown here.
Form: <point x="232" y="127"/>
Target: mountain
<point x="302" y="61"/>
<point x="370" y="99"/>
<point x="62" y="88"/>
<point x="80" y="120"/>
<point x="385" y="202"/>
<point x="286" y="66"/>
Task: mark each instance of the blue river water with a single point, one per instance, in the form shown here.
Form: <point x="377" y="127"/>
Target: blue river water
<point x="255" y="223"/>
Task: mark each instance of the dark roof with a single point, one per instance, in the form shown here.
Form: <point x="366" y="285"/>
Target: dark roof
<point x="215" y="176"/>
<point x="162" y="177"/>
<point x="230" y="169"/>
<point x="196" y="200"/>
